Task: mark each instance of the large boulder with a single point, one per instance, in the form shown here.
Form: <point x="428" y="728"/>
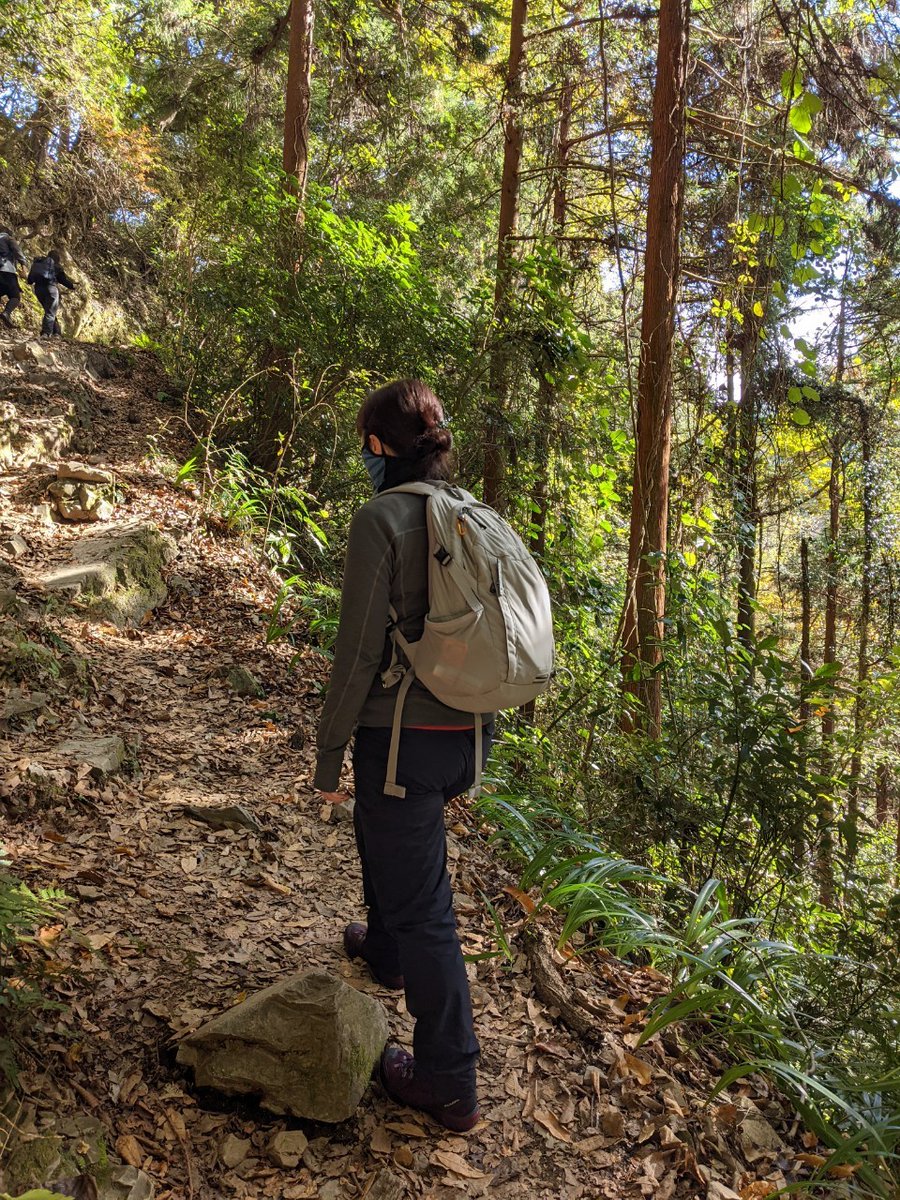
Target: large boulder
<point x="305" y="1046"/>
<point x="119" y="574"/>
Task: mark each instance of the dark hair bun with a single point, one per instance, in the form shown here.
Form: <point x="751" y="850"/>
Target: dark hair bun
<point x="434" y="441"/>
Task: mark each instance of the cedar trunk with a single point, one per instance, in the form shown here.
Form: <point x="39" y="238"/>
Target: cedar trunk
<point x="806" y="674"/>
<point x="865" y="609"/>
<point x="825" y="854"/>
<point x="642" y="617"/>
<point x="495" y="423"/>
<point x="297" y="97"/>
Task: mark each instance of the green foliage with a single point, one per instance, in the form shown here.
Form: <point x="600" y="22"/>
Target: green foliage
<point x="21" y="911"/>
<point x="315" y="606"/>
<point x="756" y="996"/>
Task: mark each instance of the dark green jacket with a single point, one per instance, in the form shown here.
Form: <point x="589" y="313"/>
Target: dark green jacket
<point x="386" y="564"/>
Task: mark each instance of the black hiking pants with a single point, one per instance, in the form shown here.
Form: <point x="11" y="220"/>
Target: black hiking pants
<point x="48" y="297"/>
<point x="9" y="288"/>
<point x="411" y="925"/>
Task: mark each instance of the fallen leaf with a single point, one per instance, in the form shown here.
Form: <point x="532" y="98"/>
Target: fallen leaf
<point x="637" y="1067"/>
<point x="128" y="1149"/>
<point x="456" y="1164"/>
<point x="551" y="1124"/>
<point x="403" y="1156"/>
<point x="812" y="1160"/>
<point x="597" y="1141"/>
<point x="407" y="1128"/>
<point x="176" y="1121"/>
<point x="381" y="1141"/>
<point x="758" y="1190"/>
<point x="524" y="900"/>
<point x="843" y="1170"/>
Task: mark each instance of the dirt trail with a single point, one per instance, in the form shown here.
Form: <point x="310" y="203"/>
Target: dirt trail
<point x="172" y="922"/>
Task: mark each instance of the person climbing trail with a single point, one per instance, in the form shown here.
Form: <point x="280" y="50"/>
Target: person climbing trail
<point x="45" y="274"/>
<point x="410" y="941"/>
<point x="11" y="258"/>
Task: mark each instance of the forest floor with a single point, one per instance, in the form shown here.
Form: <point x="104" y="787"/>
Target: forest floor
<point x="171" y="922"/>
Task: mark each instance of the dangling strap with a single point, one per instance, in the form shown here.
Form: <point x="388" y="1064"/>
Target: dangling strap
<point x="391" y="786"/>
<point x="475" y="789"/>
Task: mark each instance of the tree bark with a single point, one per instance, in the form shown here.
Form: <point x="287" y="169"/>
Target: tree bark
<point x="548" y="391"/>
<point x="495" y="454"/>
<point x="745" y="494"/>
<point x="806" y="672"/>
<point x="865" y="608"/>
<point x="298" y="97"/>
<point x="825" y="853"/>
<point x="644" y="610"/>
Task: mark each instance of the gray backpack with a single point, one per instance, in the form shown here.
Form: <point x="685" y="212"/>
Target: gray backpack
<point x="488" y="637"/>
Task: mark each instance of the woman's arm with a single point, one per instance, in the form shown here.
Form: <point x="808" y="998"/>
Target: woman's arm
<point x="365" y="604"/>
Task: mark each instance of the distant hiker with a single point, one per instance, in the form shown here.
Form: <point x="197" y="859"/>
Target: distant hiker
<point x="44" y="276"/>
<point x="11" y="257"/>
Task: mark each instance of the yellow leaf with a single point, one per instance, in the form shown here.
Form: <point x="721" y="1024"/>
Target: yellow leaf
<point x="758" y="309"/>
<point x="812" y="1160"/>
<point x="523" y="898"/>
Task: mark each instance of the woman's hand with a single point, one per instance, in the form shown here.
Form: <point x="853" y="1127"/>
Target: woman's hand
<point x="335" y="797"/>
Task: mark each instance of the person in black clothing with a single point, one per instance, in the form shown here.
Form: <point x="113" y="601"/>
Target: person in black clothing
<point x="44" y="276"/>
<point x="11" y="257"/>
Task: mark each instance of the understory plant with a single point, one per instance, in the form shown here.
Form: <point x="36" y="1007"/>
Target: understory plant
<point x="22" y="911"/>
<point x="757" y="997"/>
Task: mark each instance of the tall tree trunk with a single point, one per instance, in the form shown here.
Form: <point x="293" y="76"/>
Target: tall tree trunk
<point x="548" y="390"/>
<point x="825" y="853"/>
<point x="642" y="617"/>
<point x="495" y="424"/>
<point x="745" y="495"/>
<point x="865" y="608"/>
<point x="805" y="676"/>
<point x="297" y="97"/>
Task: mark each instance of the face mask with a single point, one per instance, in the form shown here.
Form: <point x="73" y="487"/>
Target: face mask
<point x="375" y="465"/>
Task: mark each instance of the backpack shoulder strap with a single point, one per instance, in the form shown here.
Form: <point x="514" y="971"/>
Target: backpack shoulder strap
<point x="415" y="488"/>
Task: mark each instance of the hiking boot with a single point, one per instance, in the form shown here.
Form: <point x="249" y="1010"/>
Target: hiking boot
<point x="7" y="321"/>
<point x="354" y="937"/>
<point x="398" y="1075"/>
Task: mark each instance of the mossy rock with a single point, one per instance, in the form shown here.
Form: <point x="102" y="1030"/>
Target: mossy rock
<point x="116" y="576"/>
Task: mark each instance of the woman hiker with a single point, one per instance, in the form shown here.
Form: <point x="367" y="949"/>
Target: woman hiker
<point x="45" y="274"/>
<point x="410" y="941"/>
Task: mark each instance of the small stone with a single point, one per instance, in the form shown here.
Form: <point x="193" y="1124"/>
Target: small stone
<point x="343" y="813"/>
<point x="286" y="1148"/>
<point x="241" y="681"/>
<point x="103" y="754"/>
<point x="14" y="545"/>
<point x="17" y="705"/>
<point x="103" y="511"/>
<point x="387" y="1185"/>
<point x="9" y="602"/>
<point x="127" y="1183"/>
<point x="42" y="513"/>
<point x="83" y="472"/>
<point x="178" y="583"/>
<point x="233" y="1150"/>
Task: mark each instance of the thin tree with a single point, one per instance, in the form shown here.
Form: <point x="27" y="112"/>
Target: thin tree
<point x="865" y="610"/>
<point x="298" y="98"/>
<point x="642" y="617"/>
<point x="495" y="429"/>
